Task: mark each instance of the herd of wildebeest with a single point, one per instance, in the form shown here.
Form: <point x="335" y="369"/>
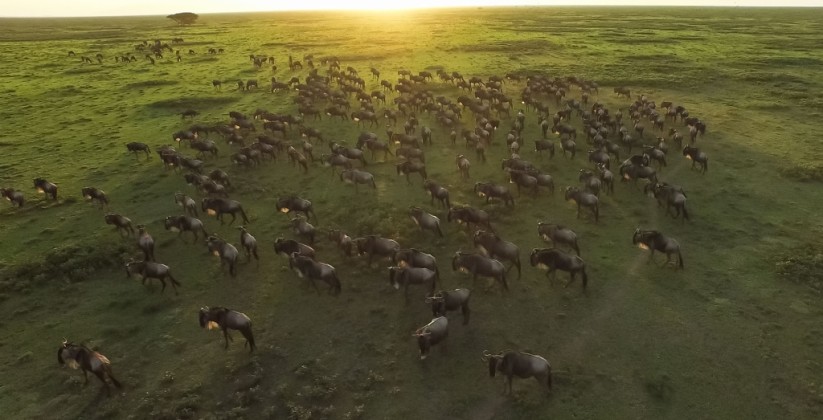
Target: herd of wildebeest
<point x="481" y="119"/>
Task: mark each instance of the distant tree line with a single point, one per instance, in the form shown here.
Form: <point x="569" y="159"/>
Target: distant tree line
<point x="185" y="18"/>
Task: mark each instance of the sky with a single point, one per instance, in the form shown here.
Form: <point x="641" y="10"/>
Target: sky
<point x="52" y="8"/>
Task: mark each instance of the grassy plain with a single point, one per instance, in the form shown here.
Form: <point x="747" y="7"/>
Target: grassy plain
<point x="738" y="334"/>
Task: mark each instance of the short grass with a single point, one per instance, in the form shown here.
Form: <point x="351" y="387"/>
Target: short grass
<point x="736" y="335"/>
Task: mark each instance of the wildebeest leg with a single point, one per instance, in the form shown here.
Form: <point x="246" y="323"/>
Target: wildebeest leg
<point x="233" y="218"/>
<point x="466" y="313"/>
<point x="163" y="282"/>
<point x="101" y="376"/>
<point x="571" y="279"/>
<point x="86" y="377"/>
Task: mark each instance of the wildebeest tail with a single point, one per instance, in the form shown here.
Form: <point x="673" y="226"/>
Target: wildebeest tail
<point x="243" y="213"/>
<point x="685" y="213"/>
<point x="679" y="259"/>
<point x="249" y="338"/>
<point x="586" y="279"/>
<point x="113" y="380"/>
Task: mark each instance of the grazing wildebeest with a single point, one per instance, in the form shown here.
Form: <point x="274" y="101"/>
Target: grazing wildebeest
<point x="520" y="364"/>
<point x="152" y="270"/>
<point x="46" y="187"/>
<point x="95" y="194"/>
<point x="488" y="191"/>
<point x="653" y="240"/>
<point x="137" y="147"/>
<point x="438" y="192"/>
<point x="217" y="84"/>
<point x="249" y="243"/>
<point x="88" y="360"/>
<point x="425" y="220"/>
<point x="409" y="167"/>
<point x="495" y="247"/>
<point x="452" y="300"/>
<point x="696" y="156"/>
<point x="312" y="270"/>
<point x="286" y="247"/>
<point x="431" y="334"/>
<point x="145" y="242"/>
<point x="552" y="259"/>
<point x="584" y="199"/>
<point x="480" y="265"/>
<point x="184" y="223"/>
<point x="296" y="204"/>
<point x="374" y="245"/>
<point x="187" y="203"/>
<point x="406" y="276"/>
<point x="463" y="166"/>
<point x="558" y="234"/>
<point x="122" y="223"/>
<point x="356" y="177"/>
<point x="225" y="251"/>
<point x="219" y="206"/>
<point x="15" y="197"/>
<point x="673" y="196"/>
<point x="227" y="319"/>
<point x="469" y="216"/>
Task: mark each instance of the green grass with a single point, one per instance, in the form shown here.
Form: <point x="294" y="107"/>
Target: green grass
<point x="743" y="319"/>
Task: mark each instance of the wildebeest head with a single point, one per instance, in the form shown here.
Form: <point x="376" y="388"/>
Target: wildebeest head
<point x="493" y="361"/>
<point x="438" y="304"/>
<point x="423" y="342"/>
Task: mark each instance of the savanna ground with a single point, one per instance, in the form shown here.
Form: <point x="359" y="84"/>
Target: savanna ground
<point x="737" y="334"/>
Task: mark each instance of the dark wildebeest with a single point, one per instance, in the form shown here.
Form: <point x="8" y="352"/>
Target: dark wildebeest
<point x="425" y="220"/>
<point x="584" y="199"/>
<point x="480" y="265"/>
<point x="409" y="167"/>
<point x="463" y="165"/>
<point x="88" y="360"/>
<point x="137" y="147"/>
<point x="122" y="223"/>
<point x="558" y="234"/>
<point x="452" y="300"/>
<point x="431" y="334"/>
<point x="15" y="197"/>
<point x="190" y="113"/>
<point x="296" y="204"/>
<point x="493" y="246"/>
<point x="374" y="245"/>
<point x="696" y="156"/>
<point x="151" y="270"/>
<point x="312" y="270"/>
<point x="520" y="364"/>
<point x="406" y="276"/>
<point x="217" y="84"/>
<point x="187" y="203"/>
<point x="219" y="206"/>
<point x="552" y="259"/>
<point x="541" y="145"/>
<point x="343" y="241"/>
<point x="145" y="242"/>
<point x="438" y="192"/>
<point x="227" y="319"/>
<point x="655" y="154"/>
<point x="46" y="187"/>
<point x="356" y="177"/>
<point x="591" y="182"/>
<point x="673" y="196"/>
<point x="95" y="194"/>
<point x="656" y="241"/>
<point x="415" y="258"/>
<point x="488" y="191"/>
<point x="225" y="251"/>
<point x="249" y="243"/>
<point x="286" y="247"/>
<point x="469" y="216"/>
<point x="185" y="223"/>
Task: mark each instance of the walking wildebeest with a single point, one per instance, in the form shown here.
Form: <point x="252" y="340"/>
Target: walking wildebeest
<point x="145" y="242"/>
<point x="406" y="276"/>
<point x="374" y="245"/>
<point x="95" y="194"/>
<point x="469" y="216"/>
<point x="584" y="199"/>
<point x="672" y="195"/>
<point x="296" y="204"/>
<point x="656" y="241"/>
<point x="312" y="270"/>
<point x="219" y="206"/>
<point x="286" y="247"/>
<point x="187" y="203"/>
<point x="424" y="220"/>
<point x="152" y="270"/>
<point x="227" y="319"/>
<point x="415" y="258"/>
<point x="408" y="167"/>
<point x="489" y="190"/>
<point x="552" y="259"/>
<point x="122" y="223"/>
<point x="225" y="251"/>
<point x="46" y="187"/>
<point x="480" y="265"/>
<point x="356" y="177"/>
<point x="493" y="246"/>
<point x="463" y="166"/>
<point x="696" y="156"/>
<point x="438" y="192"/>
<point x="137" y="147"/>
<point x="523" y="365"/>
<point x="431" y="334"/>
<point x="249" y="243"/>
<point x="558" y="234"/>
<point x="184" y="223"/>
<point x="15" y="197"/>
<point x="452" y="300"/>
<point x="88" y="360"/>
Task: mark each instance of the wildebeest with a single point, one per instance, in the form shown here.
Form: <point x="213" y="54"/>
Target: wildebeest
<point x="463" y="165"/>
<point x="184" y="223"/>
<point x="406" y="276"/>
<point x="15" y="197"/>
<point x="95" y="194"/>
<point x="356" y="177"/>
<point x="227" y="319"/>
<point x="552" y="259"/>
<point x="187" y="203"/>
<point x="137" y="147"/>
<point x="590" y="182"/>
<point x="217" y="84"/>
<point x="286" y="247"/>
<point x="145" y="242"/>
<point x="541" y="145"/>
<point x="633" y="171"/>
<point x="152" y="270"/>
<point x="431" y="334"/>
<point x="249" y="243"/>
<point x="46" y="187"/>
<point x="312" y="270"/>
<point x="438" y="192"/>
<point x="296" y="204"/>
<point x="469" y="216"/>
<point x="655" y="154"/>
<point x="558" y="234"/>
<point x="452" y="300"/>
<point x="584" y="199"/>
<point x="624" y="91"/>
<point x="480" y="265"/>
<point x="425" y="220"/>
<point x="219" y="206"/>
<point x="696" y="156"/>
<point x="489" y="190"/>
<point x="122" y="223"/>
<point x="653" y="240"/>
<point x="673" y="197"/>
<point x="225" y="251"/>
<point x="88" y="360"/>
<point x="520" y="364"/>
<point x="376" y="246"/>
<point x="409" y="167"/>
<point x="190" y="113"/>
<point x="412" y="257"/>
<point x="495" y="247"/>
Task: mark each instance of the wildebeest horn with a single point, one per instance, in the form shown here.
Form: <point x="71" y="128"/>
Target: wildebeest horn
<point x="486" y="356"/>
<point x="65" y="341"/>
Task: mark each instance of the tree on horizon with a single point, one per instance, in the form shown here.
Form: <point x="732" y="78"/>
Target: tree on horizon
<point x="184" y="18"/>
